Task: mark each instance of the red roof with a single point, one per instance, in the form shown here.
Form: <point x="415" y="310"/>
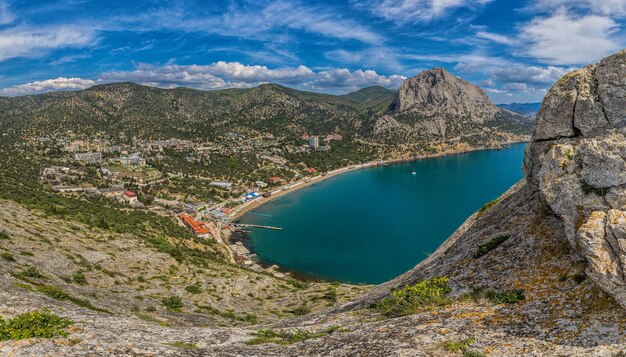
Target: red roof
<point x="130" y="194"/>
<point x="197" y="226"/>
<point x="311" y="170"/>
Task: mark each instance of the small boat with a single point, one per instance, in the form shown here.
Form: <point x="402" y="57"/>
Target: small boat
<point x="414" y="173"/>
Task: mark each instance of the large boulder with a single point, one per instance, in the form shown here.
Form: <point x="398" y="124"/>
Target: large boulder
<point x="576" y="161"/>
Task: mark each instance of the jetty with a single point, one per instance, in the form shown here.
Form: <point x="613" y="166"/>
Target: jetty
<point x="245" y="225"/>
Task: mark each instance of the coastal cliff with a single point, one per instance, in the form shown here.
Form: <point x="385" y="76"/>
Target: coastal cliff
<point x="539" y="271"/>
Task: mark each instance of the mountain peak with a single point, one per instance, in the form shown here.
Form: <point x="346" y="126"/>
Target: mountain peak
<point x="438" y="92"/>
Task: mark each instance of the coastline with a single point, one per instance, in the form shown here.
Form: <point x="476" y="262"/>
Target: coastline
<point x="242" y="209"/>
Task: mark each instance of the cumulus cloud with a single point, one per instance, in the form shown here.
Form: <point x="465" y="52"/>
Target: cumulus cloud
<point x="563" y="38"/>
<point x="58" y="84"/>
<point x="534" y="75"/>
<point x="26" y="41"/>
<point x="220" y="75"/>
<point x="411" y="11"/>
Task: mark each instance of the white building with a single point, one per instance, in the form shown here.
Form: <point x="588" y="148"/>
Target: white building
<point x="314" y="142"/>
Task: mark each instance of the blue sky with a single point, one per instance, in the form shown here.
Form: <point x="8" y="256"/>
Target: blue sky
<point x="515" y="50"/>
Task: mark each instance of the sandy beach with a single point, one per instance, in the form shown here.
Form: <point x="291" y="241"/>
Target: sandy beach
<point x="281" y="191"/>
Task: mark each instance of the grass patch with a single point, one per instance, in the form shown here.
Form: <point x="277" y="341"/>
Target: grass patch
<point x="58" y="294"/>
<point x="414" y="298"/>
<point x="458" y="346"/>
<point x="173" y="303"/>
<point x="31" y="272"/>
<point x="497" y="297"/>
<point x="183" y="345"/>
<point x="290" y="337"/>
<point x="4" y="235"/>
<point x="194" y="289"/>
<point x="492" y="244"/>
<point x="301" y="310"/>
<point x="33" y="324"/>
<point x="79" y="278"/>
<point x="7" y="256"/>
<point x="489" y="205"/>
<point x="298" y="284"/>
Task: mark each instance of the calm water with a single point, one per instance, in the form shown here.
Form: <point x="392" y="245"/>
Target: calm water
<point x="370" y="225"/>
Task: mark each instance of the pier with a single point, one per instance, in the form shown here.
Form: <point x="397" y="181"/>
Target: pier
<point x="244" y="225"/>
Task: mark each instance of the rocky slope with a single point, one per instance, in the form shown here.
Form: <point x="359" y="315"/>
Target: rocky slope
<point x="560" y="242"/>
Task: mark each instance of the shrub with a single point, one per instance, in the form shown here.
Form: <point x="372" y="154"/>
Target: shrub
<point x="301" y="310"/>
<point x="173" y="303"/>
<point x="58" y="294"/>
<point x="505" y="297"/>
<point x="4" y="235"/>
<point x="472" y="354"/>
<point x="183" y="345"/>
<point x="79" y="278"/>
<point x="484" y="209"/>
<point x="492" y="244"/>
<point x="458" y="346"/>
<point x="289" y="337"/>
<point x="7" y="256"/>
<point x="33" y="324"/>
<point x="141" y="279"/>
<point x="31" y="272"/>
<point x="298" y="284"/>
<point x="194" y="289"/>
<point x="579" y="278"/>
<point x="413" y="298"/>
<point x="26" y="254"/>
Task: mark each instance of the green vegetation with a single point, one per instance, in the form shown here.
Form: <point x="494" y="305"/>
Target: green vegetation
<point x="290" y="337"/>
<point x="173" y="303"/>
<point x="301" y="310"/>
<point x="4" y="235"/>
<point x="7" y="256"/>
<point x="492" y="244"/>
<point x="458" y="346"/>
<point x="588" y="189"/>
<point x="194" y="289"/>
<point x="183" y="345"/>
<point x="58" y="294"/>
<point x="484" y="209"/>
<point x="472" y="354"/>
<point x="31" y="272"/>
<point x="414" y="298"/>
<point x="495" y="296"/>
<point x="33" y="324"/>
<point x="579" y="278"/>
<point x="79" y="278"/>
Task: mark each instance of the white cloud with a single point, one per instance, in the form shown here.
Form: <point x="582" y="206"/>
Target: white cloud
<point x="494" y="37"/>
<point x="26" y="41"/>
<point x="58" y="84"/>
<point x="568" y="39"/>
<point x="612" y="8"/>
<point x="528" y="74"/>
<point x="220" y="75"/>
<point x="411" y="11"/>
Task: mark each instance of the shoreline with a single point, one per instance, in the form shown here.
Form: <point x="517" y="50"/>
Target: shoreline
<point x="242" y="209"/>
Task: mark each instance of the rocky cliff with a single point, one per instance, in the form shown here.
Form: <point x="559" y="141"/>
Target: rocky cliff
<point x="549" y="254"/>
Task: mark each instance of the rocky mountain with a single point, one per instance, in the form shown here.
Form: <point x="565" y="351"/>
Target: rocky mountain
<point x="439" y="104"/>
<point x="539" y="271"/>
<point x="529" y="109"/>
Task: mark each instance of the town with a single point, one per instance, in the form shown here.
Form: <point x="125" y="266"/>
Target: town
<point x="200" y="183"/>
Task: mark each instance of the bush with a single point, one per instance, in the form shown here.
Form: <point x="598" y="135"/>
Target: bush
<point x="7" y="256"/>
<point x="173" y="303"/>
<point x="492" y="244"/>
<point x="458" y="346"/>
<point x="579" y="278"/>
<point x="4" y="235"/>
<point x="498" y="297"/>
<point x="33" y="324"/>
<point x="413" y="298"/>
<point x="289" y="337"/>
<point x="301" y="310"/>
<point x="484" y="209"/>
<point x="31" y="272"/>
<point x="298" y="284"/>
<point x="194" y="289"/>
<point x="79" y="278"/>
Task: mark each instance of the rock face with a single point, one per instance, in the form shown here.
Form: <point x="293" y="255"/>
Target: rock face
<point x="438" y="95"/>
<point x="576" y="161"/>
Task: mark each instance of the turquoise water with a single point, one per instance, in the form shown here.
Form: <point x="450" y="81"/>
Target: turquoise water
<point x="370" y="225"/>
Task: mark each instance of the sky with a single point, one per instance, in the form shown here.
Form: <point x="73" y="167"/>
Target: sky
<point x="514" y="49"/>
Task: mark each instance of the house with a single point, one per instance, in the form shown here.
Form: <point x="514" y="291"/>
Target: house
<point x="222" y="184"/>
<point x="88" y="157"/>
<point x="276" y="180"/>
<point x="310" y="170"/>
<point x="111" y="192"/>
<point x="67" y="188"/>
<point x="260" y="184"/>
<point x="199" y="229"/>
<point x="130" y="197"/>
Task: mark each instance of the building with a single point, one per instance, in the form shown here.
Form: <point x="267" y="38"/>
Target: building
<point x="67" y="188"/>
<point x="134" y="159"/>
<point x="130" y="197"/>
<point x="199" y="229"/>
<point x="314" y="142"/>
<point x="111" y="192"/>
<point x="276" y="180"/>
<point x="251" y="196"/>
<point x="310" y="170"/>
<point x="260" y="184"/>
<point x="222" y="184"/>
<point x="89" y="157"/>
